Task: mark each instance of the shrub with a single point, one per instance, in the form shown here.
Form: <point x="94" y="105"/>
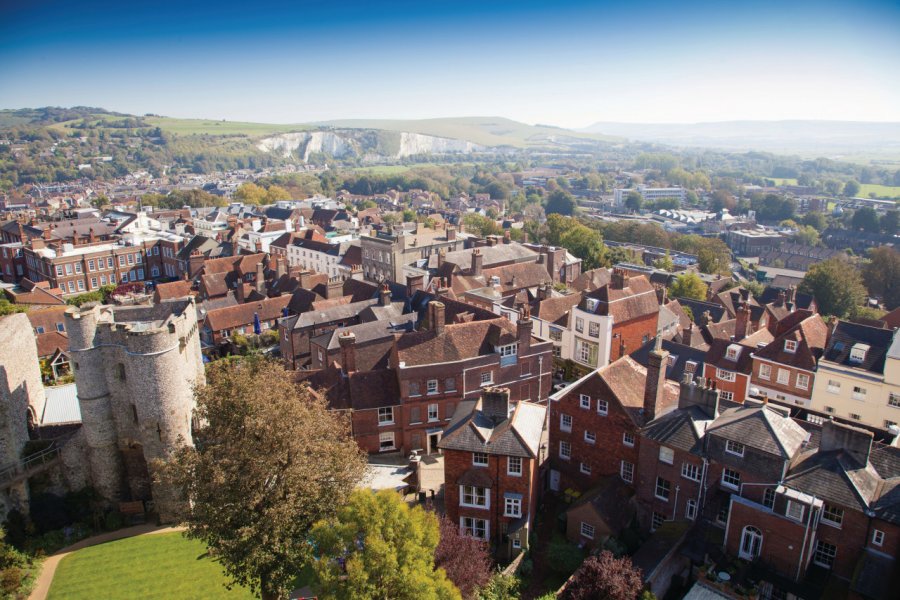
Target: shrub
<point x="11" y="579"/>
<point x="114" y="520"/>
<point x="563" y="556"/>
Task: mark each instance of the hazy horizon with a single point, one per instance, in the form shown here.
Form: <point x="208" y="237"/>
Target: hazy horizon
<point x="570" y="64"/>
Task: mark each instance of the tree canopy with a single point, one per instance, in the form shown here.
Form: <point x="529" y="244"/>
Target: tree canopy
<point x="378" y="547"/>
<point x="836" y="286"/>
<point x="882" y="275"/>
<point x="688" y="285"/>
<point x="604" y="576"/>
<point x="270" y="461"/>
<point x="465" y="559"/>
<point x="560" y="202"/>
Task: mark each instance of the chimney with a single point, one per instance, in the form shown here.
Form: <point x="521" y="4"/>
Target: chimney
<point x="261" y="277"/>
<point x="655" y="387"/>
<point x="21" y="231"/>
<point x="506" y="238"/>
<point x="854" y="441"/>
<point x="781" y="298"/>
<point x="280" y="267"/>
<point x="47" y="233"/>
<point x="543" y="292"/>
<point x="702" y="395"/>
<point x="541" y="258"/>
<point x="436" y="316"/>
<point x="492" y="240"/>
<point x="347" y="340"/>
<point x="495" y="403"/>
<point x="258" y="246"/>
<point x="745" y="295"/>
<point x="742" y="319"/>
<point x="686" y="334"/>
<point x="451" y="233"/>
<point x="442" y="254"/>
<point x="239" y="292"/>
<point x="791" y="293"/>
<point x="661" y="294"/>
<point x="477" y="262"/>
<point x="334" y="288"/>
<point x="617" y="279"/>
<point x="384" y="295"/>
<point x="705" y="318"/>
<point x="523" y="329"/>
<point x="414" y="283"/>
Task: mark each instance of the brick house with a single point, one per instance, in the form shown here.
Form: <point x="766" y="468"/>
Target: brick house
<point x="493" y="452"/>
<point x="730" y="362"/>
<point x="595" y="422"/>
<point x="784" y="370"/>
<point x="221" y="323"/>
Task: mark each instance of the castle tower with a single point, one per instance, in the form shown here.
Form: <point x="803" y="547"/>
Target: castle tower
<point x="149" y="360"/>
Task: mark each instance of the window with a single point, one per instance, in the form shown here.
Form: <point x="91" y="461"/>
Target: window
<point x="477" y="528"/>
<point x="722" y="515"/>
<point x="450" y="384"/>
<point x="473" y="497"/>
<point x="859" y="393"/>
<point x="834" y="386"/>
<point x="526" y="368"/>
<point x="587" y="530"/>
<point x="690" y="367"/>
<point x="769" y="498"/>
<point x="829" y="410"/>
<point x="130" y="259"/>
<point x="628" y="439"/>
<point x="584" y="401"/>
<point x="602" y="407"/>
<point x="78" y="269"/>
<point x="69" y="269"/>
<point x="690" y="509"/>
<point x="666" y="455"/>
<point x="663" y="488"/>
<point x="733" y="352"/>
<point x="751" y="542"/>
<point x="414" y="388"/>
<point x="480" y="459"/>
<point x="555" y="334"/>
<point x="39" y="329"/>
<point x="565" y="450"/>
<point x="59" y="271"/>
<point x="724" y="375"/>
<point x="514" y="466"/>
<point x="124" y="277"/>
<point x="487" y="378"/>
<point x="585" y="468"/>
<point x="386" y="441"/>
<point x="731" y="478"/>
<point x="803" y="381"/>
<point x="508" y="350"/>
<point x="579" y="324"/>
<point x="894" y="400"/>
<point x="60" y="328"/>
<point x="386" y="415"/>
<point x="120" y="371"/>
<point x="91" y="266"/>
<point x="855" y="416"/>
<point x="877" y="537"/>
<point x="790" y="346"/>
<point x="137" y="258"/>
<point x="565" y="422"/>
<point x="594" y="329"/>
<point x="512" y="506"/>
<point x="432" y="412"/>
<point x="690" y="471"/>
<point x="825" y="554"/>
<point x="889" y="424"/>
<point x="121" y="260"/>
<point x="657" y="521"/>
<point x="833" y="515"/>
<point x="784" y="376"/>
<point x="590" y="437"/>
<point x="431" y="386"/>
<point x="726" y="396"/>
<point x="109" y="262"/>
<point x="586" y="352"/>
<point x="858" y="353"/>
<point x="516" y="543"/>
<point x="626" y="470"/>
<point x="93" y="283"/>
<point x="765" y="371"/>
<point x="794" y="510"/>
<point x="734" y="448"/>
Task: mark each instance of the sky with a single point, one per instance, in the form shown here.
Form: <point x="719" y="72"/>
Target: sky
<point x="557" y="62"/>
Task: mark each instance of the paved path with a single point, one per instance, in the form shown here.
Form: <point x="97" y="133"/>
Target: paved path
<point x="48" y="569"/>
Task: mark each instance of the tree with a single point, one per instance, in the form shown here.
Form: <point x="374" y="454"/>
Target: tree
<point x="816" y="220"/>
<point x="688" y="285"/>
<point x="604" y="576"/>
<point x="714" y="257"/>
<point x="836" y="286"/>
<point x="890" y="221"/>
<point x="270" y="460"/>
<point x="501" y="587"/>
<point x="8" y="308"/>
<point x="882" y="275"/>
<point x="586" y="244"/>
<point x="250" y="193"/>
<point x="866" y="219"/>
<point x="465" y="559"/>
<point x="851" y="188"/>
<point x="664" y="262"/>
<point x="806" y="236"/>
<point x="560" y="202"/>
<point x="480" y="225"/>
<point x="633" y="201"/>
<point x="378" y="547"/>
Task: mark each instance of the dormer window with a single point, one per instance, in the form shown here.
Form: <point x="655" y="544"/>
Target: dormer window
<point x="673" y="358"/>
<point x="690" y="367"/>
<point x="790" y="346"/>
<point x="858" y="353"/>
<point x="733" y="352"/>
<point x="507" y="354"/>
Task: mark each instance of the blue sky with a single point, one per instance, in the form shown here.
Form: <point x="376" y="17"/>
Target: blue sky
<point x="561" y="63"/>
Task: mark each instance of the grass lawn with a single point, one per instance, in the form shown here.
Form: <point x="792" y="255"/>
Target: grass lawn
<point x="165" y="565"/>
<point x="779" y="181"/>
<point x="880" y="191"/>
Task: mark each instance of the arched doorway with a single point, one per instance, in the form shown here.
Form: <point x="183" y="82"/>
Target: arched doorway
<point x="751" y="543"/>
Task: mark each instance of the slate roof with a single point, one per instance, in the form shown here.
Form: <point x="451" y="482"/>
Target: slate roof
<point x="682" y="429"/>
<point x="679" y="355"/>
<point x="338" y="312"/>
<point x="518" y="435"/>
<point x="761" y="427"/>
<point x="836" y="477"/>
<point x="810" y="334"/>
<point x="847" y="334"/>
<point x="734" y="297"/>
<point x="717" y="312"/>
<point x="458" y="342"/>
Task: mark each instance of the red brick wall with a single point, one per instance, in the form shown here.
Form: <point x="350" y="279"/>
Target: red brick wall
<point x="633" y="333"/>
<point x="782" y="538"/>
<point x="772" y="382"/>
<point x="366" y="430"/>
<point x="649" y="467"/>
<point x="738" y="387"/>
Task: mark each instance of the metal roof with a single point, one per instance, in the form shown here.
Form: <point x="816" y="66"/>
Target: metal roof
<point x="62" y="405"/>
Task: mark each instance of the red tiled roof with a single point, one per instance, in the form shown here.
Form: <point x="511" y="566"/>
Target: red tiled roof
<point x="174" y="289"/>
<point x="459" y="341"/>
<point x="811" y="336"/>
<point x="242" y="314"/>
<point x="50" y="342"/>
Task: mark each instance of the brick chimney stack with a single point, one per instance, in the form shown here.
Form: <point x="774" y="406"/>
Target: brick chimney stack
<point x="436" y="316"/>
<point x="477" y="262"/>
<point x="495" y="403"/>
<point x="280" y="267"/>
<point x="617" y="279"/>
<point x="414" y="283"/>
<point x="347" y="340"/>
<point x="261" y="277"/>
<point x="384" y="295"/>
<point x="661" y="294"/>
<point x="655" y="387"/>
<point x="686" y="334"/>
<point x="524" y="327"/>
<point x="334" y="288"/>
<point x="742" y="319"/>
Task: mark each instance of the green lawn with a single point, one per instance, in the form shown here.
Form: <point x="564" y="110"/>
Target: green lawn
<point x="880" y="191"/>
<point x="165" y="565"/>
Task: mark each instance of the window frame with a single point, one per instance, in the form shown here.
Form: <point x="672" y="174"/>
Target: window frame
<point x="567" y="455"/>
<point x="828" y="512"/>
<point x="665" y="486"/>
<point x="563" y="419"/>
<point x="830" y="554"/>
<point x="590" y="527"/>
<point x="509" y="466"/>
<point x="690" y="471"/>
<point x="629" y="470"/>
<point x="515" y="503"/>
<point x="584" y="468"/>
<point x="735" y="448"/>
<point x="788" y="510"/>
<point x="584" y="401"/>
<point x="382" y="420"/>
<point x="728" y="475"/>
<point x="625" y="439"/>
<point x="878" y="538"/>
<point x="668" y="452"/>
<point x="602" y="407"/>
<point x="479" y="463"/>
<point x="480" y="497"/>
<point x="765" y="371"/>
<point x="590" y="437"/>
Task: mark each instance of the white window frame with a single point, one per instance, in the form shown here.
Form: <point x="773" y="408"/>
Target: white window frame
<point x="385" y="416"/>
<point x="835" y="512"/>
<point x="512" y="507"/>
<point x="666" y="455"/>
<point x="790" y="346"/>
<point x="433" y="413"/>
<point x="514" y="466"/>
<point x="602" y="407"/>
<point x="385" y="437"/>
<point x="478" y="497"/>
<point x="431" y="386"/>
<point x="765" y="371"/>
<point x="859" y="393"/>
<point x="690" y="509"/>
<point x="728" y="475"/>
<point x="565" y="422"/>
<point x="590" y="437"/>
<point x="829" y="553"/>
<point x="476" y="459"/>
<point x="724" y="375"/>
<point x="626" y="471"/>
<point x="587" y="530"/>
<point x="628" y="439"/>
<point x="666" y="486"/>
<point x="565" y="450"/>
<point x="784" y="377"/>
<point x="487" y="378"/>
<point x="735" y="448"/>
<point x="790" y="508"/>
<point x="468" y="526"/>
<point x="690" y="471"/>
<point x="585" y="468"/>
<point x="802" y="381"/>
<point x="877" y="537"/>
<point x="584" y="401"/>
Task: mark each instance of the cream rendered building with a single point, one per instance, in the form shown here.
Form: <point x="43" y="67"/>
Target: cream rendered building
<point x="858" y="377"/>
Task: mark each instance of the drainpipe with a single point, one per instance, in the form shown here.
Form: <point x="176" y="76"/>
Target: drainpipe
<point x="675" y="504"/>
<point x="805" y="535"/>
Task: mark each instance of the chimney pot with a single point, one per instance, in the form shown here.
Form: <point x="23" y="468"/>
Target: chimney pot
<point x="436" y="316"/>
